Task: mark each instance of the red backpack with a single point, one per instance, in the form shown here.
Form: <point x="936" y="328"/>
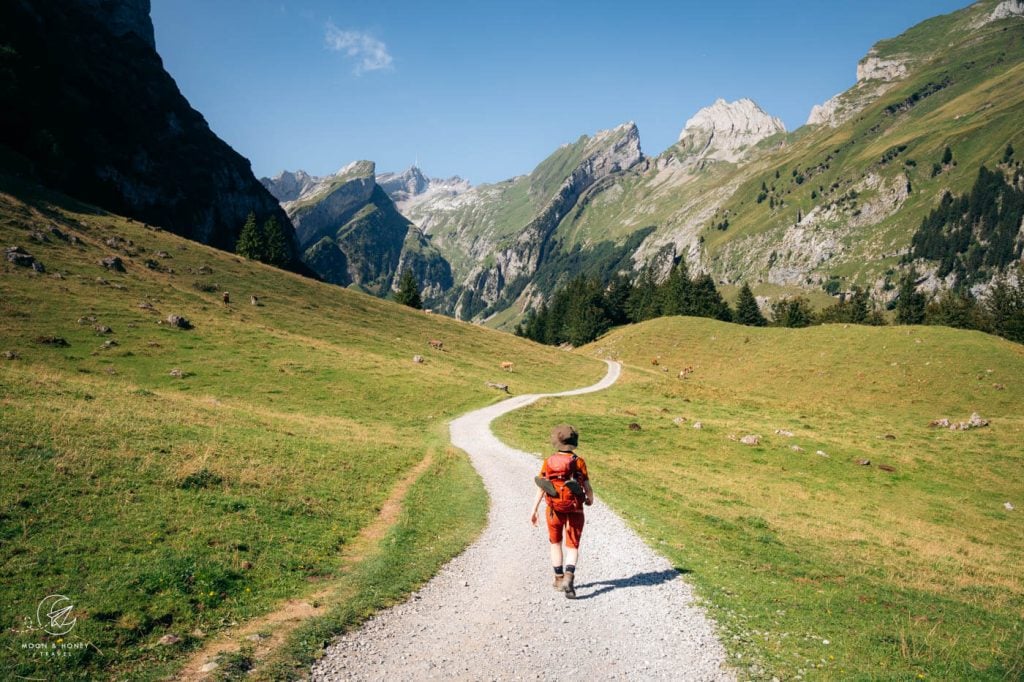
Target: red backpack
<point x="561" y="471"/>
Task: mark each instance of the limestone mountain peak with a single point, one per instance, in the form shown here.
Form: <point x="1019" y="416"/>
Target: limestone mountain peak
<point x="724" y="129"/>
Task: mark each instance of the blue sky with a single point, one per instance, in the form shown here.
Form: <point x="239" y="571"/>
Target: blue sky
<point x="487" y="89"/>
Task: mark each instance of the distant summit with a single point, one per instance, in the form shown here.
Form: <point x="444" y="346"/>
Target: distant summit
<point x="725" y="130"/>
<point x="411" y="187"/>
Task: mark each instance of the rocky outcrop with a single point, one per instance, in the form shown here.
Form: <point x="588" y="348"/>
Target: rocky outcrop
<point x="288" y="186"/>
<point x="826" y="113"/>
<point x="412" y="189"/>
<point x="331" y="202"/>
<point x="607" y="153"/>
<point x="725" y="130"/>
<point x="401" y="186"/>
<point x="874" y="68"/>
<point x="89" y="110"/>
<point x="351" y="232"/>
<point x="1004" y="10"/>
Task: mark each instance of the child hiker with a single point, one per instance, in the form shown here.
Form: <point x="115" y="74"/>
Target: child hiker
<point x="564" y="483"/>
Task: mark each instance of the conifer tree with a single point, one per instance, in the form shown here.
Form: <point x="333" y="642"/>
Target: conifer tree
<point x="1005" y="307"/>
<point x="793" y="312"/>
<point x="277" y="251"/>
<point x="642" y="303"/>
<point x="911" y="305"/>
<point x="409" y="291"/>
<point x="676" y="295"/>
<point x="747" y="310"/>
<point x="707" y="302"/>
<point x="251" y="241"/>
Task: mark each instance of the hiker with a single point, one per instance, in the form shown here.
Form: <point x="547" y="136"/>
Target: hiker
<point x="564" y="483"/>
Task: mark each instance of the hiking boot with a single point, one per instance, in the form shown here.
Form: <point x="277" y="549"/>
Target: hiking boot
<point x="559" y="579"/>
<point x="567" y="585"/>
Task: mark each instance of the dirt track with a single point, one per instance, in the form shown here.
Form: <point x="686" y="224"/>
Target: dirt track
<point x="491" y="612"/>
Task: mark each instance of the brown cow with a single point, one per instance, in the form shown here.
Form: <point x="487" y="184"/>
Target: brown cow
<point x="507" y="366"/>
<point x="436" y="344"/>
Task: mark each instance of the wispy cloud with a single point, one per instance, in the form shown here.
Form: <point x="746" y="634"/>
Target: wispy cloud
<point x="369" y="53"/>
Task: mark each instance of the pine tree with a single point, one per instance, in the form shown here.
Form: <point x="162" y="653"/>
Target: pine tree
<point x="747" y="311"/>
<point x="793" y="312"/>
<point x="277" y="247"/>
<point x="707" y="302"/>
<point x="675" y="295"/>
<point x="1005" y="307"/>
<point x="947" y="156"/>
<point x="911" y="305"/>
<point x="1008" y="154"/>
<point x="409" y="291"/>
<point x="642" y="303"/>
<point x="251" y="241"/>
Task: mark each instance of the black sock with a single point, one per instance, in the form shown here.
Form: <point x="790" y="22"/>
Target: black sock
<point x="570" y="568"/>
<point x="558" y="570"/>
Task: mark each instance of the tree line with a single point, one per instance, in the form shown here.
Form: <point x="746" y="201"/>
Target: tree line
<point x="266" y="243"/>
<point x="585" y="308"/>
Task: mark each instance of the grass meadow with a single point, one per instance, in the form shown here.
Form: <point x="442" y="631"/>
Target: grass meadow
<point x="187" y="504"/>
<point x="813" y="565"/>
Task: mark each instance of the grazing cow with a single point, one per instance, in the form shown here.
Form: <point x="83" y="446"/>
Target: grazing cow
<point x="634" y="427"/>
<point x="507" y="366"/>
<point x="226" y="297"/>
<point x="436" y="344"/>
<point x="654" y="361"/>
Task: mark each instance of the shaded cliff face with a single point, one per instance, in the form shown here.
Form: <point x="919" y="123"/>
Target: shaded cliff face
<point x="351" y="232"/>
<point x="88" y="109"/>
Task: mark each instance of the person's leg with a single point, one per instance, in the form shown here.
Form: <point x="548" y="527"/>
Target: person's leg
<point x="556" y="555"/>
<point x="555" y="524"/>
<point x="573" y="531"/>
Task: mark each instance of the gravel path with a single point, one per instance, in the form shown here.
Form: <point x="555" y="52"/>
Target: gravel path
<point x="491" y="613"/>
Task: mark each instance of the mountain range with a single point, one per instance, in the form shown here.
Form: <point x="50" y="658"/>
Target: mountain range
<point x="830" y="206"/>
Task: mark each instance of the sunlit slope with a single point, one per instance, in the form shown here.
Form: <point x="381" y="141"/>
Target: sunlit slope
<point x="161" y="504"/>
<point x="839" y="201"/>
<point x="812" y="561"/>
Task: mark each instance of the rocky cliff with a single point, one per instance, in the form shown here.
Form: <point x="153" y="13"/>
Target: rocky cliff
<point x="411" y="188"/>
<point x="726" y="130"/>
<point x="351" y="233"/>
<point x="88" y="109"/>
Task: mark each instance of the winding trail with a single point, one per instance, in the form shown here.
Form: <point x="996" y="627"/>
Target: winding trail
<point x="491" y="614"/>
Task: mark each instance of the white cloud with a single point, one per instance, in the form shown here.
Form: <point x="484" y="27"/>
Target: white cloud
<point x="369" y="53"/>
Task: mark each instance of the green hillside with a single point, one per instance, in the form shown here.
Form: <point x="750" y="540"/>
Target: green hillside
<point x="175" y="481"/>
<point x="859" y="190"/>
<point x="812" y="563"/>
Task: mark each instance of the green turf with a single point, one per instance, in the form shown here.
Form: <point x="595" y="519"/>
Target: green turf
<point x="908" y="574"/>
<point x="164" y="504"/>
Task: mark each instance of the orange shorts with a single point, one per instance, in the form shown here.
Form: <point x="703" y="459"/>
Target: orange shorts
<point x="572" y="522"/>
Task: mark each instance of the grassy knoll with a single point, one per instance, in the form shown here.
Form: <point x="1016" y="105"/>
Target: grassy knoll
<point x="179" y="505"/>
<point x="814" y="565"/>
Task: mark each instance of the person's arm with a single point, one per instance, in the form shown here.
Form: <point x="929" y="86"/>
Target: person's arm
<point x="590" y="491"/>
<point x="536" y="504"/>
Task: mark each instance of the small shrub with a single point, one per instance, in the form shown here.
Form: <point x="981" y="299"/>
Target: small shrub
<point x="204" y="478"/>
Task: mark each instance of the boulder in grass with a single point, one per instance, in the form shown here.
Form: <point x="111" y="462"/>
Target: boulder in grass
<point x="751" y="440"/>
<point x="20" y="257"/>
<point x="698" y="425"/>
<point x="176" y="373"/>
<point x="179" y="322"/>
<point x="113" y="263"/>
<point x="56" y="341"/>
<point x="11" y="355"/>
<point x="169" y="639"/>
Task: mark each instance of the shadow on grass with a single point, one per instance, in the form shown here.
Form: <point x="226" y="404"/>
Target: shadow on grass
<point x="638" y="580"/>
